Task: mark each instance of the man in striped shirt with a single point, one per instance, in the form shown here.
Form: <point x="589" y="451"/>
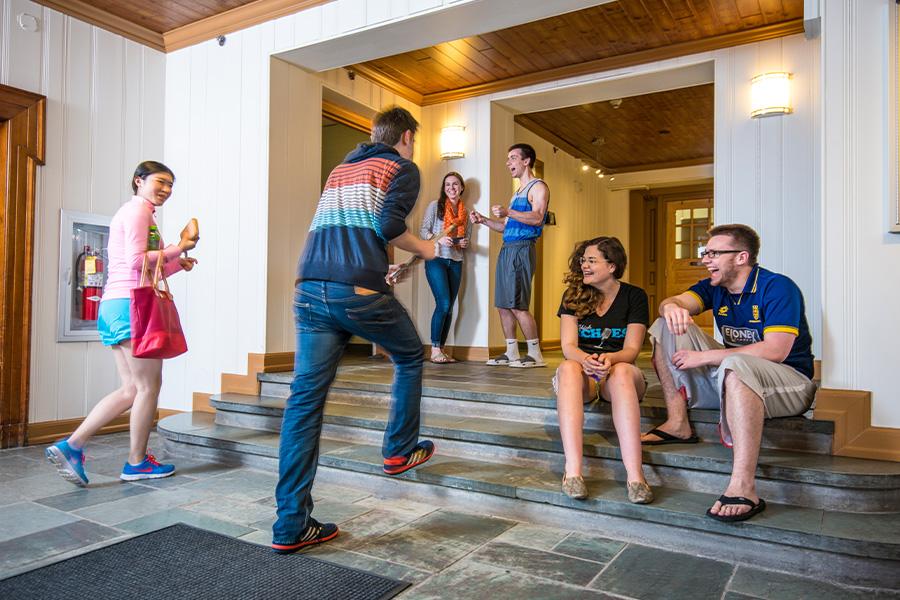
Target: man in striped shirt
<point x="342" y="291"/>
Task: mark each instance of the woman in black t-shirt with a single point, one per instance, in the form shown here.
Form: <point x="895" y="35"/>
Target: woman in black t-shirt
<point x="603" y="322"/>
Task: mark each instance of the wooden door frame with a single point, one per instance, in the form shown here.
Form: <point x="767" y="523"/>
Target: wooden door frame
<point x="22" y="150"/>
<point x="638" y="256"/>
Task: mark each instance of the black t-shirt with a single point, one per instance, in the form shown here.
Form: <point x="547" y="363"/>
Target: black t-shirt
<point x="629" y="306"/>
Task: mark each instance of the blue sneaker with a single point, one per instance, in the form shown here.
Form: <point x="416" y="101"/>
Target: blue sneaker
<point x="149" y="469"/>
<point x="68" y="461"/>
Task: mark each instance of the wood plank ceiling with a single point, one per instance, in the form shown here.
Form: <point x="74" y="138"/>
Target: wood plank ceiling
<point x="666" y="129"/>
<point x="594" y="39"/>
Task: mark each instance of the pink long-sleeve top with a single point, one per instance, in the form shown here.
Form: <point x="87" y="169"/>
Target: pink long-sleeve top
<point x="128" y="234"/>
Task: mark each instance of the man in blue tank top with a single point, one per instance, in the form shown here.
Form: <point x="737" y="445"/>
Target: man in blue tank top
<point x="763" y="370"/>
<point x="521" y="225"/>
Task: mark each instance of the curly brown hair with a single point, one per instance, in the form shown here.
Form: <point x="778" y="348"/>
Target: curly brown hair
<point x="584" y="299"/>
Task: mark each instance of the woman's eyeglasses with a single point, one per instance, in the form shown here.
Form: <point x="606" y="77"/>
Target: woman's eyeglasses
<point x="590" y="260"/>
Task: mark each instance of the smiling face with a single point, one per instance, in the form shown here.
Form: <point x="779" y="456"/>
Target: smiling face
<point x="726" y="268"/>
<point x="155" y="187"/>
<point x="453" y="187"/>
<point x="516" y="163"/>
<point x="595" y="269"/>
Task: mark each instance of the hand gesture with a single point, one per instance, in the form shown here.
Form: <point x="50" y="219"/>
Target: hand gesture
<point x="591" y="366"/>
<point x="187" y="263"/>
<point x="499" y="211"/>
<point x="445" y="241"/>
<point x="677" y="318"/>
<point x="396" y="274"/>
<point x="477" y="218"/>
<point x="688" y="359"/>
<point x="463" y="243"/>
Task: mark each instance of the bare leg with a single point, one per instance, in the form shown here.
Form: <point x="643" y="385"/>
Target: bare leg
<point x="570" y="407"/>
<point x="745" y="413"/>
<point x="676" y="422"/>
<point x="508" y="323"/>
<point x="623" y="388"/>
<point x="526" y="322"/>
<point x="111" y="406"/>
<point x="147" y="377"/>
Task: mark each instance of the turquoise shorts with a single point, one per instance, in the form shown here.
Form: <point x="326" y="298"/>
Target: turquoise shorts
<point x="114" y="321"/>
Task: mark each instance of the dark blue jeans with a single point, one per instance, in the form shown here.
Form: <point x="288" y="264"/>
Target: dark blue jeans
<point x="443" y="276"/>
<point x="327" y="314"/>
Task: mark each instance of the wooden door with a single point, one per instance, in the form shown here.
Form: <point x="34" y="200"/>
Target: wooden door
<point x="687" y="222"/>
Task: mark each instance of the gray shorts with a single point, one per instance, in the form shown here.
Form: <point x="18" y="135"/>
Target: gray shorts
<point x="785" y="392"/>
<point x="512" y="280"/>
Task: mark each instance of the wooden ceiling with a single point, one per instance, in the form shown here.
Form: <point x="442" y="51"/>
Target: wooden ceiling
<point x="168" y="25"/>
<point x="603" y="37"/>
<point x="666" y="129"/>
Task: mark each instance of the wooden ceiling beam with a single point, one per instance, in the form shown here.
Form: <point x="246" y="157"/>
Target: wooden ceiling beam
<point x="561" y="143"/>
<point x="104" y="20"/>
<point x="233" y="20"/>
<point x="718" y="42"/>
<point x="392" y="85"/>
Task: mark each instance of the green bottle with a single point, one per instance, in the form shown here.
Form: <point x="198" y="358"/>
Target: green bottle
<point x="153" y="238"/>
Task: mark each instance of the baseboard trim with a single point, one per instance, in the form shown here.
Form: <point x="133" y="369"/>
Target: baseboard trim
<point x="269" y="362"/>
<point x="854" y="435"/>
<point x="50" y="431"/>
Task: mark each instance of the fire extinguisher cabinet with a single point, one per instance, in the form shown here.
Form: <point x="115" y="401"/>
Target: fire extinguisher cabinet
<point x="83" y="238"/>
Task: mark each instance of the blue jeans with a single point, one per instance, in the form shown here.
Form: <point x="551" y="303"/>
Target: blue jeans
<point x="327" y="314"/>
<point x="443" y="276"/>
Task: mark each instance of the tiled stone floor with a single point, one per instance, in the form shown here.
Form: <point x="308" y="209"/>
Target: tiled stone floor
<point x="445" y="554"/>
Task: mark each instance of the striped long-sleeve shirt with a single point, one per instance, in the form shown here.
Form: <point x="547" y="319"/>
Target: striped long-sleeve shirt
<point x="364" y="206"/>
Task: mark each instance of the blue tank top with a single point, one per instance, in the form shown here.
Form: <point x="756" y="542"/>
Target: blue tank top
<point x="516" y="231"/>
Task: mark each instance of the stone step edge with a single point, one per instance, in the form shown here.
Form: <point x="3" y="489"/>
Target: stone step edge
<point x="546" y="402"/>
<point x="651" y="513"/>
<point x="653" y="456"/>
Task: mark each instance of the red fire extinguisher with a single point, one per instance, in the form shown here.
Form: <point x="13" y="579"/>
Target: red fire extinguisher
<point x="90" y="279"/>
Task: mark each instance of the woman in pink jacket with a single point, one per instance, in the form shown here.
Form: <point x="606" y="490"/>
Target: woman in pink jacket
<point x="129" y="244"/>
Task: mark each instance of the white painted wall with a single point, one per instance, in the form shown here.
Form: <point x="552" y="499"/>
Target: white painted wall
<point x="104" y="115"/>
<point x="860" y="261"/>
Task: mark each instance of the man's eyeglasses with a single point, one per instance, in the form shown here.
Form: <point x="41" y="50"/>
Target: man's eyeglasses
<point x="717" y="253"/>
<point x="590" y="260"/>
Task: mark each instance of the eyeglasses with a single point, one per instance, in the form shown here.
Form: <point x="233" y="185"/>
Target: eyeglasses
<point x="591" y="260"/>
<point x="717" y="253"/>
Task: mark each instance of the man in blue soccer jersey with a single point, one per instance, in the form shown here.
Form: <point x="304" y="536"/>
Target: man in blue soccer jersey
<point x="763" y="370"/>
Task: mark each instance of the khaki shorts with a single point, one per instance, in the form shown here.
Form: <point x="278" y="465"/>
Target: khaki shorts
<point x="785" y="392"/>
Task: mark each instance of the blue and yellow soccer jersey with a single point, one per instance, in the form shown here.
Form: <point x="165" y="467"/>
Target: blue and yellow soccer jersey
<point x="770" y="302"/>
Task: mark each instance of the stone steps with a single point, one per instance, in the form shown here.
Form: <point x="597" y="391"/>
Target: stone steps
<point x="536" y="403"/>
<point x="802" y="479"/>
<point x="859" y="547"/>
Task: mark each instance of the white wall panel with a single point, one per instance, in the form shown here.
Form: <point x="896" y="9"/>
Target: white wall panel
<point x="104" y="110"/>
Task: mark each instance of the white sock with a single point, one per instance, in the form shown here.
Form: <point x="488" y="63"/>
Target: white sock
<point x="534" y="350"/>
<point x="512" y="349"/>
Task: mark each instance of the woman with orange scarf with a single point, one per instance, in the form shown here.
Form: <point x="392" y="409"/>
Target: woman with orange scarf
<point x="447" y="222"/>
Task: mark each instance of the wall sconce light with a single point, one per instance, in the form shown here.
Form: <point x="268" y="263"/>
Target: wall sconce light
<point x="770" y="94"/>
<point x="453" y="142"/>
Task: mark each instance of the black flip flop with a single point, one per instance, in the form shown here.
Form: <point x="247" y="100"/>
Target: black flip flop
<point x="755" y="508"/>
<point x="668" y="438"/>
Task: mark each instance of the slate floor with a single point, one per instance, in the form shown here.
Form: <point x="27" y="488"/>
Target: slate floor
<point x="445" y="554"/>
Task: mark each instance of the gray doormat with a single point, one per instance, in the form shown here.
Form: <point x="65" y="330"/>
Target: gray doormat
<point x="183" y="562"/>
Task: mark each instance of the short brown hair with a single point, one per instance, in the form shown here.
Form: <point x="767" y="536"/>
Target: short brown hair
<point x="388" y="125"/>
<point x="745" y="238"/>
<point x="527" y="152"/>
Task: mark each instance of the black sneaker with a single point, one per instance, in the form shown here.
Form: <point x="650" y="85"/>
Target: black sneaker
<point x="315" y="533"/>
<point x="398" y="464"/>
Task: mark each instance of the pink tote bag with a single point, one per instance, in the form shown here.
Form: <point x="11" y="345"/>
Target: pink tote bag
<point x="155" y="326"/>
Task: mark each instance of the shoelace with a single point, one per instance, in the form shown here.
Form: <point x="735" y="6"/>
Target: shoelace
<point x="152" y="460"/>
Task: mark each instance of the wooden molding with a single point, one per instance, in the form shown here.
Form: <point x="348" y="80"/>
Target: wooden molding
<point x="233" y="20"/>
<point x="850" y="410"/>
<point x="674" y="164"/>
<point x="50" y="431"/>
<point x="346" y="117"/>
<point x="200" y="403"/>
<point x="718" y="42"/>
<point x="104" y="20"/>
<point x="22" y="144"/>
<point x="392" y="85"/>
<point x="270" y="362"/>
